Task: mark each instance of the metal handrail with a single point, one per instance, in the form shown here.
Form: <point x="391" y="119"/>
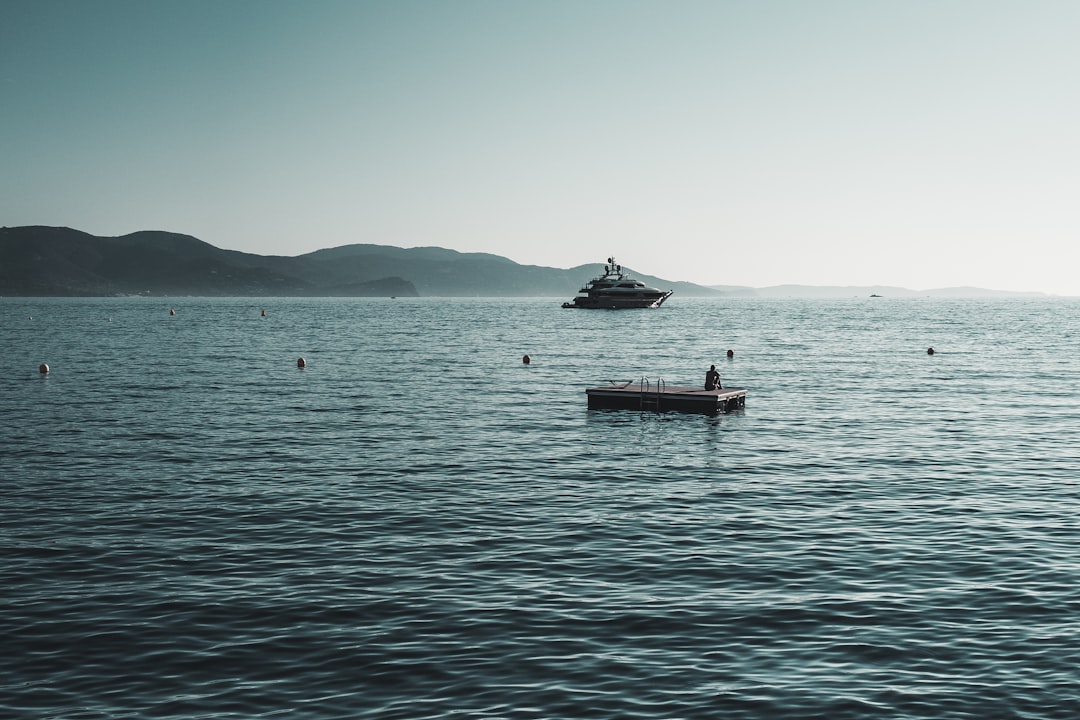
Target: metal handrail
<point x="645" y="388"/>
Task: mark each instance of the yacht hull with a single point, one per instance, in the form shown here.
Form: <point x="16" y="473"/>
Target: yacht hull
<point x="602" y="302"/>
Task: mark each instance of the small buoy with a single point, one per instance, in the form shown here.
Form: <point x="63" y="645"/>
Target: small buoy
<point x="929" y="351"/>
<point x="526" y="359"/>
<point x="301" y="363"/>
<point x="43" y="368"/>
<point x="264" y="313"/>
<point x="171" y="311"/>
<point x="731" y="353"/>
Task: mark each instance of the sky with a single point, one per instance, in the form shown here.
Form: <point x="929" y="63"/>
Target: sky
<point x="913" y="143"/>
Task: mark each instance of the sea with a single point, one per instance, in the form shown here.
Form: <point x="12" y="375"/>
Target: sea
<point x="418" y="524"/>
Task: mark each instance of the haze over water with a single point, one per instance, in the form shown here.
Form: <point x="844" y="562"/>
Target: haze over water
<point x="418" y="525"/>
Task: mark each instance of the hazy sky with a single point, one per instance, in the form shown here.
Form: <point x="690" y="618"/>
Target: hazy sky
<point x="899" y="142"/>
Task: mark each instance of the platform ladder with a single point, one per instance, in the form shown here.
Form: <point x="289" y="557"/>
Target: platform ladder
<point x="650" y="399"/>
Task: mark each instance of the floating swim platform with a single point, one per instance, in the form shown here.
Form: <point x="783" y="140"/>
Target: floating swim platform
<point x="661" y="397"/>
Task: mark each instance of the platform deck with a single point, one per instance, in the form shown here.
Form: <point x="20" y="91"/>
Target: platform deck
<point x="661" y="398"/>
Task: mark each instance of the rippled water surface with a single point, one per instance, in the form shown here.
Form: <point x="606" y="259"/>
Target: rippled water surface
<point x="419" y="525"/>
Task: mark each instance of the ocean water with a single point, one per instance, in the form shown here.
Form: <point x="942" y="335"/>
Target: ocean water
<point x="419" y="525"/>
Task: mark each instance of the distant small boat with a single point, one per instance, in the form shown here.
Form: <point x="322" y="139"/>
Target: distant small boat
<point x="874" y="295"/>
<point x="616" y="290"/>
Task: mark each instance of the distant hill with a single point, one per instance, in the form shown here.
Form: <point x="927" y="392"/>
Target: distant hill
<point x="54" y="261"/>
<point x="831" y="291"/>
<point x="50" y="261"/>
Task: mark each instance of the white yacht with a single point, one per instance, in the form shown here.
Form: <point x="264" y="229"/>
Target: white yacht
<point x="615" y="290"/>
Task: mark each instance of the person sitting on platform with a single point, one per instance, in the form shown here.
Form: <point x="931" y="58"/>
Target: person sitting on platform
<point x="712" y="379"/>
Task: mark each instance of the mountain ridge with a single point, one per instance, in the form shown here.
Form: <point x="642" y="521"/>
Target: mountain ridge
<point x="38" y="260"/>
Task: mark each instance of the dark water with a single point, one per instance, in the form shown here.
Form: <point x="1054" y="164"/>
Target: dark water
<point x="418" y="525"/>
